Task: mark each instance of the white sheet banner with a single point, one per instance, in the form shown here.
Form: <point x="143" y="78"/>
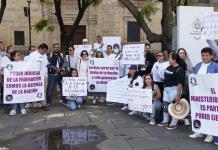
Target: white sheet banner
<point x="117" y="91"/>
<point x="210" y="26"/>
<point x="140" y="100"/>
<point x="74" y="86"/>
<point x="80" y="48"/>
<point x="189" y="30"/>
<point x="111" y="41"/>
<point x="204" y="103"/>
<point x="100" y="71"/>
<point x="133" y="54"/>
<point x="23" y="82"/>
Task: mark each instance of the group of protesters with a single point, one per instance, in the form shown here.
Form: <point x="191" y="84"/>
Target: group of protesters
<point x="165" y="73"/>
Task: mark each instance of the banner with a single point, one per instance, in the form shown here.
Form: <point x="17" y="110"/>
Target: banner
<point x="140" y="100"/>
<point x="111" y="41"/>
<point x="80" y="48"/>
<point x="117" y="91"/>
<point x="100" y="71"/>
<point x="204" y="103"/>
<point x="133" y="54"/>
<point x="189" y="30"/>
<point x="23" y="82"/>
<point x="74" y="86"/>
<point x="210" y="26"/>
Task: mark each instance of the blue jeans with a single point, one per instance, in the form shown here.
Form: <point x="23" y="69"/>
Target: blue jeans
<point x="14" y="106"/>
<point x="53" y="80"/>
<point x="169" y="95"/>
<point x="73" y="103"/>
<point x="156" y="107"/>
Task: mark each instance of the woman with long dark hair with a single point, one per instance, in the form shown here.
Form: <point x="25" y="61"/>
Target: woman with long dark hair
<point x="174" y="77"/>
<point x="156" y="103"/>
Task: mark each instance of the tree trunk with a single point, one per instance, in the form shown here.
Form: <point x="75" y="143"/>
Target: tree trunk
<point x="166" y="24"/>
<point x="3" y="6"/>
<point x="151" y="37"/>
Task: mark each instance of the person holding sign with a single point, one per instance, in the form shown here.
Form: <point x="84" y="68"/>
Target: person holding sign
<point x="16" y="57"/>
<point x="205" y="67"/>
<point x="71" y="58"/>
<point x="156" y="103"/>
<point x="135" y="81"/>
<point x="173" y="82"/>
<point x="74" y="102"/>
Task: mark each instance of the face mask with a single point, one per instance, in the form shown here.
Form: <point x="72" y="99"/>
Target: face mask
<point x="116" y="51"/>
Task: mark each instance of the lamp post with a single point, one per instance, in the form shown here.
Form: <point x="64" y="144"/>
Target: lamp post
<point x="30" y="28"/>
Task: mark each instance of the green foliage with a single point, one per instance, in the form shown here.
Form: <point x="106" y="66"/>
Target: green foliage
<point x="93" y="2"/>
<point x="42" y="24"/>
<point x="148" y="11"/>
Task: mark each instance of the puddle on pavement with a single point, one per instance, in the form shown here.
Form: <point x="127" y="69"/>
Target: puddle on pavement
<point x="75" y="138"/>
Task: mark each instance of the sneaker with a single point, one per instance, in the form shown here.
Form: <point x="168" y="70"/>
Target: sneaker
<point x="208" y="139"/>
<point x="45" y="108"/>
<point x="162" y="124"/>
<point x="171" y="127"/>
<point x="33" y="109"/>
<point x="124" y="108"/>
<point x="94" y="101"/>
<point x="133" y="113"/>
<point x="152" y="122"/>
<point x="23" y="111"/>
<point x="196" y="135"/>
<point x="12" y="113"/>
<point x="111" y="104"/>
<point x="187" y="122"/>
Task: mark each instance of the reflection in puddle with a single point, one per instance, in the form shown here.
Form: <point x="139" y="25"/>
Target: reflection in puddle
<point x="58" y="139"/>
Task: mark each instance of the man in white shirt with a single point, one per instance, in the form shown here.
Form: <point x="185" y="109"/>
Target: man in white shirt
<point x="40" y="56"/>
<point x="31" y="49"/>
<point x="98" y="44"/>
<point x="109" y="52"/>
<point x="205" y="67"/>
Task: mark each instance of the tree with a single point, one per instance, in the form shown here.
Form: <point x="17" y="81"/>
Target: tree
<point x="167" y="21"/>
<point x="2" y="10"/>
<point x="67" y="36"/>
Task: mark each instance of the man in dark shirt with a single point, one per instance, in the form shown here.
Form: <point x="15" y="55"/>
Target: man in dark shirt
<point x="57" y="64"/>
<point x="149" y="57"/>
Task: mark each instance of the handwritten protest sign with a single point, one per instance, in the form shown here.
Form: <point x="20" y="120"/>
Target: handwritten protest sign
<point x="100" y="71"/>
<point x="74" y="86"/>
<point x="204" y="103"/>
<point x="111" y="41"/>
<point x="23" y="82"/>
<point x="133" y="54"/>
<point x="117" y="91"/>
<point x="140" y="100"/>
<point x="80" y="48"/>
<point x="210" y="26"/>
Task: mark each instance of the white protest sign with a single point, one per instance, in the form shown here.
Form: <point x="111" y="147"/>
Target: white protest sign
<point x="117" y="91"/>
<point x="74" y="86"/>
<point x="204" y="103"/>
<point x="133" y="54"/>
<point x="23" y="82"/>
<point x="100" y="71"/>
<point x="140" y="99"/>
<point x="210" y="26"/>
<point x="189" y="30"/>
<point x="111" y="41"/>
<point x="80" y="48"/>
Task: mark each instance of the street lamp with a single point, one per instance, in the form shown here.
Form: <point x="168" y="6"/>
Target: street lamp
<point x="30" y="38"/>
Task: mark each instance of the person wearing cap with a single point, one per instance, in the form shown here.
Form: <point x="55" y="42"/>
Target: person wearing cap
<point x="99" y="53"/>
<point x="85" y="42"/>
<point x="207" y="66"/>
<point x="174" y="77"/>
<point x="135" y="81"/>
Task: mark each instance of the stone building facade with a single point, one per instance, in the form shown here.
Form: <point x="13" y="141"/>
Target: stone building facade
<point x="109" y="18"/>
